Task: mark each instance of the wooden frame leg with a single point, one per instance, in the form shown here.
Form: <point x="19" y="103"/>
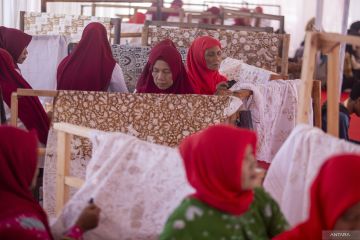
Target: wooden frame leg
<point x="307" y="76"/>
<point x="63" y="162"/>
<point x="333" y="90"/>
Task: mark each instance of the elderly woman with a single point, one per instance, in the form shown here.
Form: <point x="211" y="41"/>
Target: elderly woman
<point x="203" y="63"/>
<point x="164" y="72"/>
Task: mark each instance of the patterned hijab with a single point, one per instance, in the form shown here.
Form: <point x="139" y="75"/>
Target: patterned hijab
<point x="334" y="190"/>
<point x="89" y="67"/>
<point x="204" y="79"/>
<point x="213" y="160"/>
<point x="166" y="51"/>
<point x="14" y="41"/>
<point x="18" y="163"/>
<point x="31" y="112"/>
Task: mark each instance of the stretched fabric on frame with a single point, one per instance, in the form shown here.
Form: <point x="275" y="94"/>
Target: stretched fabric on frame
<point x="132" y="60"/>
<point x="70" y="26"/>
<point x="260" y="49"/>
<point x="159" y="118"/>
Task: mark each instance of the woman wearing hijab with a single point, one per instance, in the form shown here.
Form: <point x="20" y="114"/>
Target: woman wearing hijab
<point x="203" y="63"/>
<point x="91" y="66"/>
<point x="15" y="42"/>
<point x="334" y="200"/>
<point x="220" y="165"/>
<point x="21" y="217"/>
<point x="31" y="112"/>
<point x="214" y="11"/>
<point x="164" y="72"/>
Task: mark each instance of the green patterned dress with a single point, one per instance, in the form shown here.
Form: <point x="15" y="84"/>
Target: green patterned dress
<point x="195" y="220"/>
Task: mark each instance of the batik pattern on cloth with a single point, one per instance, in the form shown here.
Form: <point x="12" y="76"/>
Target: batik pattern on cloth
<point x="70" y="26"/>
<point x="239" y="71"/>
<point x="136" y="184"/>
<point x="132" y="60"/>
<point x="160" y="118"/>
<point x="259" y="49"/>
<point x="296" y="165"/>
<point x="273" y="107"/>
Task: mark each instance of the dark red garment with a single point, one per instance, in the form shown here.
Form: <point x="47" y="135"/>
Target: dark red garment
<point x="31" y="112"/>
<point x="154" y="16"/>
<point x="215" y="11"/>
<point x="18" y="163"/>
<point x="14" y="41"/>
<point x="204" y="79"/>
<point x="243" y="21"/>
<point x="213" y="160"/>
<point x="334" y="190"/>
<point x="176" y="4"/>
<point x="166" y="51"/>
<point x="89" y="67"/>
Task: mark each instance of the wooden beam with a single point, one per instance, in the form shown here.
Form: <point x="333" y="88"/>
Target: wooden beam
<point x="73" y="129"/>
<point x="316" y="97"/>
<point x="14" y="109"/>
<point x="36" y="93"/>
<point x="62" y="169"/>
<point x="74" y="182"/>
<point x="307" y="74"/>
<point x="333" y="91"/>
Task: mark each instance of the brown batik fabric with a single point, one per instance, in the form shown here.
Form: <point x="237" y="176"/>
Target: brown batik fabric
<point x="159" y="118"/>
<point x="70" y="26"/>
<point x="260" y="49"/>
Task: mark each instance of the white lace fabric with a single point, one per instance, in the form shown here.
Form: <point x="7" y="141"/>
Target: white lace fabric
<point x="239" y="71"/>
<point x="136" y="184"/>
<point x="273" y="108"/>
<point x="296" y="165"/>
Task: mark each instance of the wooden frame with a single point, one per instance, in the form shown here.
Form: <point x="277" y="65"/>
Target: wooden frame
<point x="230" y="13"/>
<point x="329" y="44"/>
<point x="145" y="33"/>
<point x="63" y="180"/>
<point x="44" y="2"/>
<point x="114" y="22"/>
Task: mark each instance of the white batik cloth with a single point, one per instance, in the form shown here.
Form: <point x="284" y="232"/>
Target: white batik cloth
<point x="273" y="109"/>
<point x="296" y="165"/>
<point x="239" y="71"/>
<point x="45" y="54"/>
<point x="136" y="184"/>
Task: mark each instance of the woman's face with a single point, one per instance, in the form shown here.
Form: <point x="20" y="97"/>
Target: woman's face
<point x="248" y="175"/>
<point x="350" y="220"/>
<point x="162" y="75"/>
<point x="213" y="58"/>
<point x="22" y="56"/>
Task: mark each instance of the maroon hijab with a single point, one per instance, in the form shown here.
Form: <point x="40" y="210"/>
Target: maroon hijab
<point x="31" y="112"/>
<point x="14" y="41"/>
<point x="89" y="67"/>
<point x="18" y="163"/>
<point x="166" y="51"/>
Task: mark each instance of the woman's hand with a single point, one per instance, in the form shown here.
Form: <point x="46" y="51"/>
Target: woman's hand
<point x="89" y="217"/>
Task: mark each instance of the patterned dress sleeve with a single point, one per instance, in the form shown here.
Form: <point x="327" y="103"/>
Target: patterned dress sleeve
<point x="275" y="221"/>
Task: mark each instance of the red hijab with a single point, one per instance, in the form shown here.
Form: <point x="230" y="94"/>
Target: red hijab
<point x="138" y="18"/>
<point x="243" y="21"/>
<point x="14" y="41"/>
<point x="18" y="163"/>
<point x="31" y="112"/>
<point x="166" y="51"/>
<point x="89" y="67"/>
<point x="203" y="78"/>
<point x="213" y="161"/>
<point x="335" y="189"/>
